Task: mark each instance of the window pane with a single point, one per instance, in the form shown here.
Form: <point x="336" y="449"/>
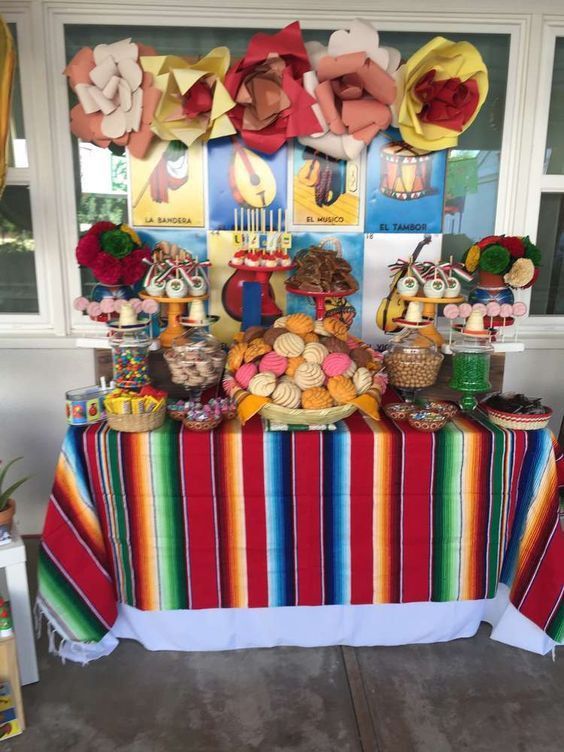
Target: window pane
<point x="548" y="291"/>
<point x="18" y="289"/>
<point x="17" y="148"/>
<point x="554" y="158"/>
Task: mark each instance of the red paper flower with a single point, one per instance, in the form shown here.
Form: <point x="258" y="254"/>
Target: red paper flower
<point x="449" y="103"/>
<point x="103" y="254"/>
<point x="514" y="245"/>
<point x="198" y="100"/>
<point x="272" y="105"/>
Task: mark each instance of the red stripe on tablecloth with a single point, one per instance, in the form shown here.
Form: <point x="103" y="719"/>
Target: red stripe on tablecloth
<point x="308" y="514"/>
<point x="77" y="564"/>
<point x="198" y="478"/>
<point x="90" y="447"/>
<point x="417" y="515"/>
<point x="519" y="451"/>
<point x="255" y="513"/>
<point x="478" y="565"/>
<point x="545" y="591"/>
<point x="361" y="509"/>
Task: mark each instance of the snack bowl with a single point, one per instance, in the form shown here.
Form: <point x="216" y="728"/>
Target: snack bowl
<point x="207" y="424"/>
<point x="427" y="420"/>
<point x="399" y="410"/>
<point x="450" y="409"/>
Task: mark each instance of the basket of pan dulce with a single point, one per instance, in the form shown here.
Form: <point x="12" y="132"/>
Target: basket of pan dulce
<point x="301" y="371"/>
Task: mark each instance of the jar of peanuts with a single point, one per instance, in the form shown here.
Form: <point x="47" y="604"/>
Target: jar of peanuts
<point x="412" y="361"/>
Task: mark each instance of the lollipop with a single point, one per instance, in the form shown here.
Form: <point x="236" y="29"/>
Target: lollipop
<point x="465" y="310"/>
<point x="149" y="306"/>
<point x="505" y="310"/>
<point x="136" y="304"/>
<point x="492" y="309"/>
<point x="80" y="304"/>
<point x="107" y="305"/>
<point x="94" y="310"/>
<point x="451" y="311"/>
<point x="480" y="308"/>
<point x="519" y="309"/>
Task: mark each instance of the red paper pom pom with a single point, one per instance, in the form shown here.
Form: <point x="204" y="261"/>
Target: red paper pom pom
<point x="107" y="269"/>
<point x="490" y="240"/>
<point x="513" y="244"/>
<point x="87" y="249"/>
<point x="133" y="267"/>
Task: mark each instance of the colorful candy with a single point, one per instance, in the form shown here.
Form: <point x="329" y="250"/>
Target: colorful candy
<point x="130" y="366"/>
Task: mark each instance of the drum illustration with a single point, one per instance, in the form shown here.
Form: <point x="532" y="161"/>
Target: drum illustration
<point x="405" y="172"/>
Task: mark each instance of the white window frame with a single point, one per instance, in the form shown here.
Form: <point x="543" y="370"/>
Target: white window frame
<point x="51" y="319"/>
<point x="539" y="183"/>
<point x="50" y="17"/>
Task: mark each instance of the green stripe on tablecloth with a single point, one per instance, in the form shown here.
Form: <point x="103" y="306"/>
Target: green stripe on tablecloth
<point x="66" y="604"/>
<point x="118" y="504"/>
<point x="169" y="517"/>
<point x="555" y="627"/>
<point x="502" y="451"/>
<point x="447" y="513"/>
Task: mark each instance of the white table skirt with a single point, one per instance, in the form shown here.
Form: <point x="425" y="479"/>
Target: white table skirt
<point x="316" y="626"/>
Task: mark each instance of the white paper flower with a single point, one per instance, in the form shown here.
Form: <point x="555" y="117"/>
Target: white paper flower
<point x="352" y="81"/>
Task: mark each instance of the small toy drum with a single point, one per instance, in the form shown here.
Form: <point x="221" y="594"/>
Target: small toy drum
<point x="405" y="174"/>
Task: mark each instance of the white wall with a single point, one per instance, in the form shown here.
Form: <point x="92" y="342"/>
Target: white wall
<point x="32" y="419"/>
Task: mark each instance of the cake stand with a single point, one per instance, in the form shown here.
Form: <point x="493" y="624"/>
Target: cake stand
<point x="176" y="309"/>
<point x="319" y="298"/>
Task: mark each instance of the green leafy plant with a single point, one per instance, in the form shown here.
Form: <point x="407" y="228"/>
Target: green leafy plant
<point x="5" y="494"/>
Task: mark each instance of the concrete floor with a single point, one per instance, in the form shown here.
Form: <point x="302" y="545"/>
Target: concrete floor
<point x="465" y="695"/>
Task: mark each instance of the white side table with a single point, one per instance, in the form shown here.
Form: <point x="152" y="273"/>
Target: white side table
<point x="12" y="560"/>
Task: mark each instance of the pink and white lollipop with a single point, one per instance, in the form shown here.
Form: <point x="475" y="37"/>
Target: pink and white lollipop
<point x="492" y="309"/>
<point x="136" y="304"/>
<point x="465" y="309"/>
<point x="94" y="310"/>
<point x="451" y="311"/>
<point x="80" y="304"/>
<point x="505" y="310"/>
<point x="108" y="305"/>
<point x="149" y="306"/>
<point x="479" y="308"/>
<point x="519" y="309"/>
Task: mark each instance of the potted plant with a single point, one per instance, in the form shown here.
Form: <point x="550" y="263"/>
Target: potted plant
<point x="7" y="504"/>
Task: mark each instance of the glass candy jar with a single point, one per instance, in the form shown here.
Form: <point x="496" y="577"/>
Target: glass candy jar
<point x="196" y="360"/>
<point x="412" y="361"/>
<point x="130" y="355"/>
<point x="471" y="369"/>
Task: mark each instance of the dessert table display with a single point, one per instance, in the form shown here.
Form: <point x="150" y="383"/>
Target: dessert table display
<point x="374" y="533"/>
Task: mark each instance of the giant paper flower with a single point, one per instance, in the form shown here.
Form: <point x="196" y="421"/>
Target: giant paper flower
<point x="441" y="89"/>
<point x="354" y="88"/>
<point x="113" y="253"/>
<point x="116" y="99"/>
<point x="194" y="102"/>
<point x="266" y="84"/>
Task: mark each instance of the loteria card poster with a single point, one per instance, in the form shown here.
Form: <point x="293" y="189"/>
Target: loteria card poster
<point x="380" y="251"/>
<point x="167" y="186"/>
<point x="326" y="192"/>
<point x="240" y="178"/>
<point x="351" y="247"/>
<point x="404" y="187"/>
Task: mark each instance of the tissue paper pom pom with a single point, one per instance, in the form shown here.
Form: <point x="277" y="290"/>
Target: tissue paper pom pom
<point x="108" y="305"/>
<point x="494" y="259"/>
<point x="80" y="304"/>
<point x="149" y="306"/>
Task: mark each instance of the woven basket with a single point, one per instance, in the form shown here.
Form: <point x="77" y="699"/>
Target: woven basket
<point x="300" y="417"/>
<point x="137" y="423"/>
<point x="515" y="421"/>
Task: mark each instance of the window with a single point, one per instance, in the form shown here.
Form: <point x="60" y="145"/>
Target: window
<point x="547" y="296"/>
<point x="18" y="280"/>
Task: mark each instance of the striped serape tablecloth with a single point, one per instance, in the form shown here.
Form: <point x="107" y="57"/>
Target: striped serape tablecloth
<point x="374" y="512"/>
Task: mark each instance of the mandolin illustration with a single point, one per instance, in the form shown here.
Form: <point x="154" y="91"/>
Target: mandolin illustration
<point x="252" y="181"/>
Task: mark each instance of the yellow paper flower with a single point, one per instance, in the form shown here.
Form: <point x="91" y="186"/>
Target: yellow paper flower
<point x="472" y="258"/>
<point x="441" y="89"/>
<point x="194" y="102"/>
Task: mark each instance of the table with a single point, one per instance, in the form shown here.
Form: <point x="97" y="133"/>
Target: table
<point x="13" y="561"/>
<point x="370" y="534"/>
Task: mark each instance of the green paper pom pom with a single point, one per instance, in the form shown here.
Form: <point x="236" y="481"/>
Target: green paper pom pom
<point x="117" y="243"/>
<point x="494" y="259"/>
<point x="531" y="251"/>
